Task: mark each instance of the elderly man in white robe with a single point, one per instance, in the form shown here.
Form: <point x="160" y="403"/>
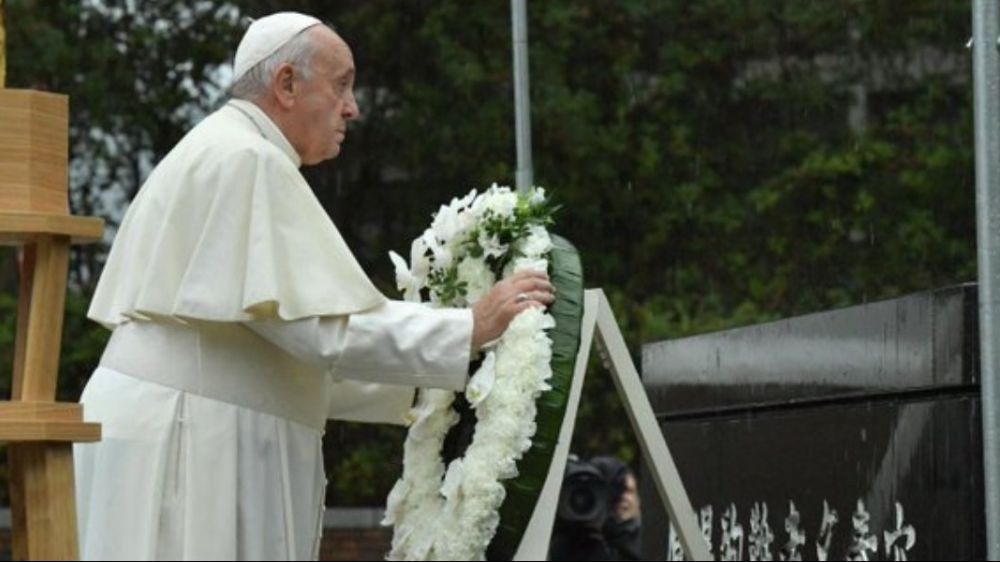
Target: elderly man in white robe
<point x="241" y="322"/>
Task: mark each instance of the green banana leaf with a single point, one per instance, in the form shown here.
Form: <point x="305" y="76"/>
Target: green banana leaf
<point x="566" y="274"/>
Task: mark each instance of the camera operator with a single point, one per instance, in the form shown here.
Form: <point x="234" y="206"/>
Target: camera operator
<point x="598" y="514"/>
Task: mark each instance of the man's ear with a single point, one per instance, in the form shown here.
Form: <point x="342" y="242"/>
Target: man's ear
<point x="283" y="85"/>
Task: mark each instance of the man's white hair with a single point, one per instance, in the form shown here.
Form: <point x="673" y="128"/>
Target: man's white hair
<point x="298" y="52"/>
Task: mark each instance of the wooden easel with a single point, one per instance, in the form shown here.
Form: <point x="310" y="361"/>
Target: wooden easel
<point x="34" y="216"/>
<point x="599" y="321"/>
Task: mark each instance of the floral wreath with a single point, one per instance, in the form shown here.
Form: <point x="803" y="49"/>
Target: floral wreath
<point x="453" y="512"/>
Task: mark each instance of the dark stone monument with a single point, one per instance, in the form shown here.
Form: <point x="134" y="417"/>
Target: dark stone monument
<point x="845" y="434"/>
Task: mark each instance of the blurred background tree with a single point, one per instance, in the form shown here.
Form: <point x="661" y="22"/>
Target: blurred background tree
<point x="720" y="162"/>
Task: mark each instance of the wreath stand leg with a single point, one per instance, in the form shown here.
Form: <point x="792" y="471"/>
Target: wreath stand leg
<point x="598" y="318"/>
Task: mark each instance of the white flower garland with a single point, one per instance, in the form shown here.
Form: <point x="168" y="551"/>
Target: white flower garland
<point x="452" y="514"/>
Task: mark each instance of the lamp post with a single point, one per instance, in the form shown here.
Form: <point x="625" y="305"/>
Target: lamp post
<point x="522" y="100"/>
<point x="986" y="86"/>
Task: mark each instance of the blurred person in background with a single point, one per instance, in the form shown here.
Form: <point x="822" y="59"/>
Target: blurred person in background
<point x="598" y="514"/>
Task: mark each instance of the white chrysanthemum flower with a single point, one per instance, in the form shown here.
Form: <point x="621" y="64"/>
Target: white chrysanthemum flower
<point x="537" y="196"/>
<point x="451" y="512"/>
<point x="394" y="503"/>
<point x="518" y="265"/>
<point x="478" y="277"/>
<point x="498" y="201"/>
<point x="428" y="411"/>
<point x="502" y="203"/>
<point x="536" y="243"/>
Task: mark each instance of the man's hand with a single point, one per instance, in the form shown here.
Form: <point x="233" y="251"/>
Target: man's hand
<point x="492" y="313"/>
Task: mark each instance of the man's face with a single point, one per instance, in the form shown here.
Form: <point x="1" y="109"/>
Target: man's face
<point x="326" y="102"/>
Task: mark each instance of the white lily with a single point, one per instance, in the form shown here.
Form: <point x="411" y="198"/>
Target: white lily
<point x="481" y="383"/>
<point x="442" y="256"/>
<point x="418" y="257"/>
<point x="394" y="503"/>
<point x="491" y="245"/>
<point x="428" y="404"/>
<point x="406" y="282"/>
<point x="464" y="202"/>
<point x="453" y="479"/>
<point x="445" y="225"/>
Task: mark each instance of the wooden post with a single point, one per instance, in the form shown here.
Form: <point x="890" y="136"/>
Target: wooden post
<point x="41" y="474"/>
<point x="18" y="524"/>
<point x="40" y="432"/>
<point x="43" y="339"/>
<point x="599" y="327"/>
<point x="26" y="266"/>
<point x="44" y="524"/>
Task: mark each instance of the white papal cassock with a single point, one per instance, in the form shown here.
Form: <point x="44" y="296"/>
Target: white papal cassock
<point x="241" y="322"/>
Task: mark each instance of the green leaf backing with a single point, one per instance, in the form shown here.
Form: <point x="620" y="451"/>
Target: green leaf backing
<point x="566" y="274"/>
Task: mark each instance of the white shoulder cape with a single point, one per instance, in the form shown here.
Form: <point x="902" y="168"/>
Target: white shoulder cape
<point x="226" y="229"/>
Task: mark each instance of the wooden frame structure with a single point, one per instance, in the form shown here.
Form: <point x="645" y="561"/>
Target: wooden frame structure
<point x="600" y="321"/>
<point x="34" y="217"/>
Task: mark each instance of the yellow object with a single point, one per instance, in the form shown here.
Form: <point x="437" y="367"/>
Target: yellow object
<point x="3" y="49"/>
<point x="39" y="432"/>
<point x="34" y="137"/>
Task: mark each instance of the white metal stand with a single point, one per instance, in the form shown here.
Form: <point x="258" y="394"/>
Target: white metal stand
<point x="597" y="315"/>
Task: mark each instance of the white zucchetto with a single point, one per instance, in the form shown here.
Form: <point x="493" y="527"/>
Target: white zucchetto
<point x="265" y="36"/>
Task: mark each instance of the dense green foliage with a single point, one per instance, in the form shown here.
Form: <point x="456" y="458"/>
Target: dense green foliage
<point x="702" y="152"/>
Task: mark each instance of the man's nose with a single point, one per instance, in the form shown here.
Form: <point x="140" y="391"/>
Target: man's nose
<point x="351" y="109"/>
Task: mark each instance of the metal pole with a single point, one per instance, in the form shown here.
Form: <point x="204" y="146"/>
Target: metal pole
<point x="522" y="101"/>
<point x="986" y="80"/>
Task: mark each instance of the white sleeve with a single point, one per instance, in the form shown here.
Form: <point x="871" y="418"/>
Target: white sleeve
<point x="398" y="343"/>
<point x="369" y="402"/>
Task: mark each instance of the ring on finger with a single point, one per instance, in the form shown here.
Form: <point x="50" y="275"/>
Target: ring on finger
<point x="521" y="297"/>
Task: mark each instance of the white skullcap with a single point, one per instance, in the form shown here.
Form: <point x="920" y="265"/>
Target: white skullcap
<point x="265" y="36"/>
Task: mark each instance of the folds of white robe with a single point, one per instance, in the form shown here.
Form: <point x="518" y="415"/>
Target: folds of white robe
<point x="212" y="431"/>
<point x="226" y="229"/>
<point x="178" y="476"/>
